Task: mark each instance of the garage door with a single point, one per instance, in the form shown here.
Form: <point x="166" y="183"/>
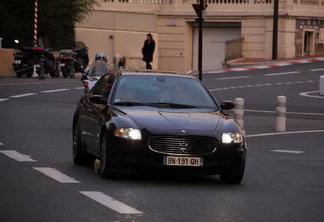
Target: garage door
<point x="213" y="45"/>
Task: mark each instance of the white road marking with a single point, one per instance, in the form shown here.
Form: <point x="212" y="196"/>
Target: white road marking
<point x="17" y="156"/>
<point x="284" y="133"/>
<point x="306" y="94"/>
<point x="23" y="95"/>
<point x="78" y="87"/>
<point x="287" y="151"/>
<point x="282" y="73"/>
<point x="56" y="175"/>
<point x="1" y="100"/>
<point x="1" y="144"/>
<point x="234" y="77"/>
<point x="110" y="202"/>
<point x="54" y="90"/>
<point x="264" y="84"/>
<point x="315" y="70"/>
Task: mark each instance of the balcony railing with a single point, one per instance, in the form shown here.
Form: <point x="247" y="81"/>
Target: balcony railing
<point x="211" y="2"/>
<point x="135" y="1"/>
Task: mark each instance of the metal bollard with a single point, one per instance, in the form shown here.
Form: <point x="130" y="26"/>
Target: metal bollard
<point x="239" y="111"/>
<point x="321" y="86"/>
<point x="71" y="69"/>
<point x="281" y="114"/>
<point x="41" y="71"/>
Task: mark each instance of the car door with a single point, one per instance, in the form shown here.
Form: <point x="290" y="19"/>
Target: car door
<point x="97" y="113"/>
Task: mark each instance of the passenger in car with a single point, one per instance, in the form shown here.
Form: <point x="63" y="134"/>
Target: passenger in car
<point x="180" y="94"/>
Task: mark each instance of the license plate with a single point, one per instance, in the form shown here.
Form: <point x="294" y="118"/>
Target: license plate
<point x="62" y="64"/>
<point x="17" y="61"/>
<point x="183" y="161"/>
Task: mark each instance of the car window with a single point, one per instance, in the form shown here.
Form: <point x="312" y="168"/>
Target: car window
<point x="162" y="89"/>
<point x="103" y="85"/>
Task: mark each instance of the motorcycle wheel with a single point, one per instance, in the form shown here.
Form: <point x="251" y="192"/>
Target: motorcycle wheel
<point x="51" y="66"/>
<point x="65" y="71"/>
<point x="19" y="74"/>
<point x="52" y="73"/>
<point x="30" y="72"/>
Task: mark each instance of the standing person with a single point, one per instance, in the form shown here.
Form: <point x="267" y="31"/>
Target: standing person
<point x="147" y="50"/>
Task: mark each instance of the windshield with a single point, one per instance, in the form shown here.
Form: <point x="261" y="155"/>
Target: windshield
<point x="162" y="91"/>
<point x="98" y="68"/>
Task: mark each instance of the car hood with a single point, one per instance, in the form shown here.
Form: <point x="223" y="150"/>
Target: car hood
<point x="159" y="120"/>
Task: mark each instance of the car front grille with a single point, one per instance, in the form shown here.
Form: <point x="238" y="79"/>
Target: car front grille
<point x="182" y="145"/>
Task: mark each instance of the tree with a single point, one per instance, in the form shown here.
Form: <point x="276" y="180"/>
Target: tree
<point x="56" y="21"/>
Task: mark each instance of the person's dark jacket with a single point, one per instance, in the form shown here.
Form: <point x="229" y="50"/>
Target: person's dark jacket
<point x="148" y="50"/>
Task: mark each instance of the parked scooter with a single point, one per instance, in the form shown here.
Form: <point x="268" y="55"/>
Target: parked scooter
<point x="25" y="60"/>
<point x="46" y="58"/>
<point x="78" y="57"/>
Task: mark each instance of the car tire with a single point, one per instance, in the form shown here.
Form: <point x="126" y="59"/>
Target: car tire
<point x="80" y="156"/>
<point x="105" y="167"/>
<point x="232" y="178"/>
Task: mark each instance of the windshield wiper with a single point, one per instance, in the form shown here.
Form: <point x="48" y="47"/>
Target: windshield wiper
<point x="171" y="105"/>
<point x="129" y="104"/>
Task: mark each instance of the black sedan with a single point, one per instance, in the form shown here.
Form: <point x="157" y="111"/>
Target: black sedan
<point x="157" y="122"/>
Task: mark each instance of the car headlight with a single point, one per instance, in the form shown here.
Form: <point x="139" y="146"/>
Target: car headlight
<point x="232" y="138"/>
<point x="128" y="133"/>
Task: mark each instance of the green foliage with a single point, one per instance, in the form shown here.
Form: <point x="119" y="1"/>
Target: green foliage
<point x="56" y="21"/>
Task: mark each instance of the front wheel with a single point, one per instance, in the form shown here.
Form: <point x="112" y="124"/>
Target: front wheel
<point x="80" y="156"/>
<point x="66" y="71"/>
<point x="19" y="74"/>
<point x="105" y="167"/>
<point x="232" y="178"/>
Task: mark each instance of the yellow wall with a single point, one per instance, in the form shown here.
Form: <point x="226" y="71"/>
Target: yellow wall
<point x="128" y="44"/>
<point x="6" y="60"/>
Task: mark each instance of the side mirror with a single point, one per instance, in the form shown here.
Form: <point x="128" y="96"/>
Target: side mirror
<point x="227" y="105"/>
<point x="97" y="99"/>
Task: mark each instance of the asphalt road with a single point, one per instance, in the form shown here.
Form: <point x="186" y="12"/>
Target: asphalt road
<point x="284" y="178"/>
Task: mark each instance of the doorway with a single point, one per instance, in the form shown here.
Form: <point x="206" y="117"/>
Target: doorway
<point x="308" y="44"/>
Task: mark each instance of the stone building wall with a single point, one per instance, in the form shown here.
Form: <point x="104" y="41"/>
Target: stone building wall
<point x="316" y="28"/>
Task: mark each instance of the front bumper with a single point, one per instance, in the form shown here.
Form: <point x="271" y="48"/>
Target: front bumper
<point x="137" y="157"/>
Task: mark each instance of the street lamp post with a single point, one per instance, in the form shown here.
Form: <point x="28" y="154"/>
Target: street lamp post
<point x="275" y="30"/>
<point x="201" y="12"/>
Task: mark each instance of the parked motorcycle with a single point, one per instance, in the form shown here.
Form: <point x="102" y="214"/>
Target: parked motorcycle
<point x="25" y="60"/>
<point x="79" y="57"/>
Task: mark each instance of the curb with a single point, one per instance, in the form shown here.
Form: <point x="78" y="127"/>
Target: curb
<point x="261" y="65"/>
